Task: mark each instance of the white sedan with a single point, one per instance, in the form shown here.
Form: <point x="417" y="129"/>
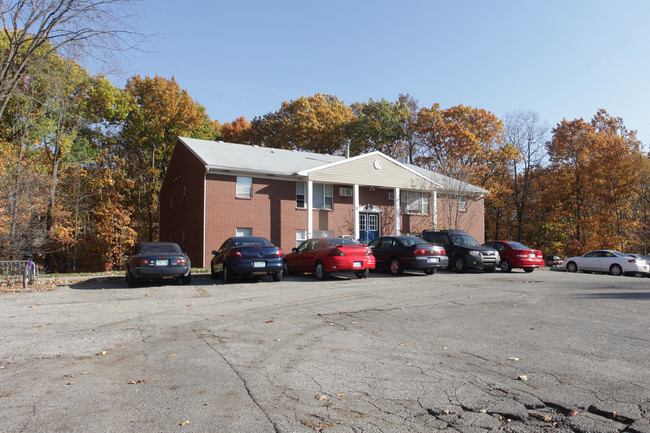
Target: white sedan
<point x="614" y="262"/>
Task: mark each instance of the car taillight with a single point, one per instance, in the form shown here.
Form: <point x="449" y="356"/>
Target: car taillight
<point x="522" y="256"/>
<point x="142" y="261"/>
<point x="419" y="251"/>
<point x="235" y="253"/>
<point x="336" y="252"/>
<point x="631" y="261"/>
<point x="181" y="261"/>
<point x="278" y="253"/>
<point x="369" y="252"/>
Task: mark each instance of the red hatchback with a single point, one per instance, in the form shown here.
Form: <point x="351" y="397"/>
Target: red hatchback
<point x="516" y="255"/>
<point x="322" y="256"/>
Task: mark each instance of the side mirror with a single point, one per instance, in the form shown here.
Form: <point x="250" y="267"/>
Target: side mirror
<point x="295" y="250"/>
<point x="214" y="252"/>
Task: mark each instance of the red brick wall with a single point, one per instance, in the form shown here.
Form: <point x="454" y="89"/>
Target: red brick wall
<point x="471" y="220"/>
<point x="183" y="223"/>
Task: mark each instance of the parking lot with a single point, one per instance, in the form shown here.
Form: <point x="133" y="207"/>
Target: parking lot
<point x="545" y="351"/>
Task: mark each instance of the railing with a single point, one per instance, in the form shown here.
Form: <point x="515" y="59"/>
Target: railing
<point x="12" y="272"/>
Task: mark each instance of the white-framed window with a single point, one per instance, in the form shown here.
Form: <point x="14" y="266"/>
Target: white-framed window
<point x="244" y="231"/>
<point x="301" y="236"/>
<point x="300" y="195"/>
<point x="323" y="234"/>
<point x="323" y="196"/>
<point x="462" y="203"/>
<point x="415" y="202"/>
<point x="244" y="187"/>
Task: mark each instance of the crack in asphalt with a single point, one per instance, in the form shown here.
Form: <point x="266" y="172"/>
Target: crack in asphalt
<point x="241" y="378"/>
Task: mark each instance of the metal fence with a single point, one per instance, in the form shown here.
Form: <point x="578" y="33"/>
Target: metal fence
<point x="12" y="272"/>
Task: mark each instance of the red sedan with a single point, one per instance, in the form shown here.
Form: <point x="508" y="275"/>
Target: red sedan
<point x="322" y="256"/>
<point x="516" y="255"/>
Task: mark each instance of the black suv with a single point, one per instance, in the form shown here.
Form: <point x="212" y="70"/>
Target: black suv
<point x="464" y="251"/>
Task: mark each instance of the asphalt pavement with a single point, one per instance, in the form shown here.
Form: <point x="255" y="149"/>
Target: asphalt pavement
<point x="476" y="352"/>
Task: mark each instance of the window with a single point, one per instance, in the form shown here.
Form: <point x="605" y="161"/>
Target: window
<point x="323" y="196"/>
<point x="243" y="231"/>
<point x="244" y="187"/>
<point x="415" y="202"/>
<point x="300" y="194"/>
<point x="323" y="233"/>
<point x="462" y="203"/>
<point x="301" y="236"/>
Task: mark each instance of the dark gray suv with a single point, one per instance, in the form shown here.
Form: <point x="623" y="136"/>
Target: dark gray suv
<point x="464" y="251"/>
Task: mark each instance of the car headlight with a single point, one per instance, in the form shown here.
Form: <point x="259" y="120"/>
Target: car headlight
<point x="475" y="253"/>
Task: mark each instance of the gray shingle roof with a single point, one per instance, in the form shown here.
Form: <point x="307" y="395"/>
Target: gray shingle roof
<point x="220" y="155"/>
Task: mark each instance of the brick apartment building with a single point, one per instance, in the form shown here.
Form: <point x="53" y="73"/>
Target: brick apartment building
<point x="216" y="190"/>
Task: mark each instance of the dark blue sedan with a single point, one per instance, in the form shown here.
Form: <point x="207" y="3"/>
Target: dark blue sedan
<point x="247" y="256"/>
<point x="151" y="261"/>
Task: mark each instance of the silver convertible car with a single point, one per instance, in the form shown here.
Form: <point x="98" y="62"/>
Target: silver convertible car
<point x="613" y="262"/>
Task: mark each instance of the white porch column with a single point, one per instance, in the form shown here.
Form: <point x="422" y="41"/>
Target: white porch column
<point x="310" y="209"/>
<point x="434" y="207"/>
<point x="398" y="213"/>
<point x="355" y="195"/>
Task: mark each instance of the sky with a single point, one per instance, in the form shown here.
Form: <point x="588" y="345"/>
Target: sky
<point x="561" y="59"/>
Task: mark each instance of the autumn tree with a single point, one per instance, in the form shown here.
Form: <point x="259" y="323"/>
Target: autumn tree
<point x="379" y="125"/>
<point x="595" y="166"/>
<point x="162" y="112"/>
<point x="525" y="131"/>
<point x="409" y="126"/>
<point x="237" y="131"/>
<point x="314" y="124"/>
<point x="72" y="27"/>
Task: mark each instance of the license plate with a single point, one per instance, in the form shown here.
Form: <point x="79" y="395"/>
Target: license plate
<point x="162" y="262"/>
<point x="433" y="259"/>
<point x="259" y="264"/>
<point x="357" y="264"/>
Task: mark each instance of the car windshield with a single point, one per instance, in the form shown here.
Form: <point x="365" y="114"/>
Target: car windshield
<point x="464" y="240"/>
<point x="250" y="242"/>
<point x="155" y="248"/>
<point x="409" y="241"/>
<point x="517" y="246"/>
<point x="333" y="242"/>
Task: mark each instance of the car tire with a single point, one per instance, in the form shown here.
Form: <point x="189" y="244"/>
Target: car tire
<point x="363" y="274"/>
<point x="489" y="269"/>
<point x="227" y="273"/>
<point x="430" y="271"/>
<point x="460" y="265"/>
<point x="505" y="266"/>
<point x="529" y="270"/>
<point x="319" y="271"/>
<point x="616" y="270"/>
<point x="213" y="274"/>
<point x="395" y="266"/>
<point x="277" y="276"/>
<point x="572" y="267"/>
<point x="285" y="269"/>
<point x="186" y="279"/>
<point x="130" y="280"/>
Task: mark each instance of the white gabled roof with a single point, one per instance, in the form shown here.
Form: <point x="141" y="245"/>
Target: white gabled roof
<point x="219" y="155"/>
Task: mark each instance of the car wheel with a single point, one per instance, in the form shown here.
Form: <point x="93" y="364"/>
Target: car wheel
<point x="363" y="274"/>
<point x="213" y="274"/>
<point x="186" y="279"/>
<point x="529" y="270"/>
<point x="489" y="269"/>
<point x="572" y="267"/>
<point x="460" y="264"/>
<point x="616" y="270"/>
<point x="130" y="279"/>
<point x="227" y="273"/>
<point x="505" y="266"/>
<point x="430" y="271"/>
<point x="285" y="269"/>
<point x="320" y="271"/>
<point x="277" y="276"/>
<point x="395" y="266"/>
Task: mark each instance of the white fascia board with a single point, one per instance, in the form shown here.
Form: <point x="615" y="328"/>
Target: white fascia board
<point x="250" y="173"/>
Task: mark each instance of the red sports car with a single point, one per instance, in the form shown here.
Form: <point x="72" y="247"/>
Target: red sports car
<point x="516" y="255"/>
<point x="322" y="256"/>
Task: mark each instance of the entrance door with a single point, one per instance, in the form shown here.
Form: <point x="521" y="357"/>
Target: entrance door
<point x="368" y="226"/>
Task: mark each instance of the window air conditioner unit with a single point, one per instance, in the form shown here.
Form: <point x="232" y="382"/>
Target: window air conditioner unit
<point x="390" y="195"/>
<point x="345" y="192"/>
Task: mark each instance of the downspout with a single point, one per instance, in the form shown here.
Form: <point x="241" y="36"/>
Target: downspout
<point x="205" y="211"/>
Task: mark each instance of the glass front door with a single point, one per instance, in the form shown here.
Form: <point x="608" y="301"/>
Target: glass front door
<point x="368" y="226"/>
